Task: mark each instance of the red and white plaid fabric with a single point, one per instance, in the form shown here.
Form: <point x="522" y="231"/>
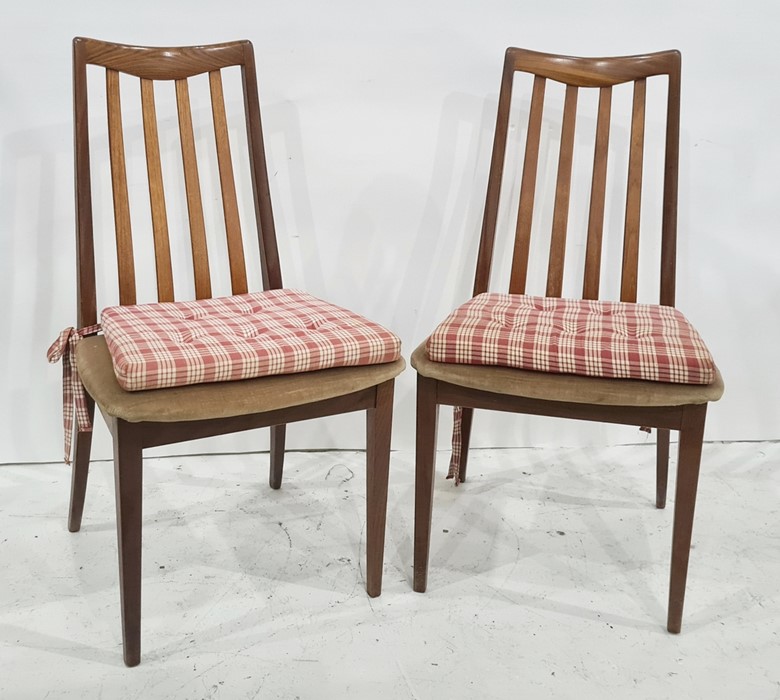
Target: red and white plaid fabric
<point x="73" y="396"/>
<point x="572" y="336"/>
<point x="281" y="331"/>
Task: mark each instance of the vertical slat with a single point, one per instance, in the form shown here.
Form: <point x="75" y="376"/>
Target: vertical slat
<point x="227" y="184"/>
<point x="592" y="277"/>
<point x="669" y="222"/>
<point x="162" y="248"/>
<point x="525" y="211"/>
<point x="628" y="284"/>
<point x="200" y="258"/>
<point x="124" y="237"/>
<point x="562" y="192"/>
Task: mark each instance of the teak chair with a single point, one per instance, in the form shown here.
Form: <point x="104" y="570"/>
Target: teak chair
<point x="665" y="406"/>
<point x="149" y="418"/>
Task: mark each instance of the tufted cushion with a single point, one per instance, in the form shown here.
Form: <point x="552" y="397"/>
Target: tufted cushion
<point x="573" y="336"/>
<point x="281" y="331"/>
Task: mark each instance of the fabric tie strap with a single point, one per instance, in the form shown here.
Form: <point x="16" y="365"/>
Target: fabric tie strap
<point x="457" y="444"/>
<point x="72" y="389"/>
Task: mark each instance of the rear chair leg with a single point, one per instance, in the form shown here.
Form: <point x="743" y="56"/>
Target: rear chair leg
<point x="661" y="467"/>
<point x="277" y="455"/>
<point x="427" y="419"/>
<point x="80" y="472"/>
<point x="378" y="427"/>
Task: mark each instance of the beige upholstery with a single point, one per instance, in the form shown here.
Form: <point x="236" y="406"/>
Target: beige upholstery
<point x="219" y="400"/>
<point x="566" y="387"/>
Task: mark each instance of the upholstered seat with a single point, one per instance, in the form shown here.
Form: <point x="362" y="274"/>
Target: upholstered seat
<point x="566" y="387"/>
<point x="221" y="399"/>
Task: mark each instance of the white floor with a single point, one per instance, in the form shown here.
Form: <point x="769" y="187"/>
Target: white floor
<point x="548" y="579"/>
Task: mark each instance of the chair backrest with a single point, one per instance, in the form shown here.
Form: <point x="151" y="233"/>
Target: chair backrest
<point x="174" y="67"/>
<point x="576" y="74"/>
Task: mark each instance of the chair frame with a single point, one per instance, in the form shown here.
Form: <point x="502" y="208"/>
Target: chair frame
<point x="130" y="439"/>
<point x="689" y="420"/>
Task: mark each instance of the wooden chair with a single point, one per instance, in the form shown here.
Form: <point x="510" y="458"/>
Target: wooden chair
<point x="665" y="406"/>
<point x="148" y="418"/>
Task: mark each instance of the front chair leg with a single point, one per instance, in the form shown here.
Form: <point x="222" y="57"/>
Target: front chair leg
<point x="277" y="455"/>
<point x="80" y="472"/>
<point x="378" y="426"/>
<point x="427" y="419"/>
<point x="688" y="461"/>
<point x="128" y="459"/>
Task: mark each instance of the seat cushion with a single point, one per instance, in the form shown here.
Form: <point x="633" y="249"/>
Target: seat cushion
<point x="614" y="340"/>
<point x="280" y="331"/>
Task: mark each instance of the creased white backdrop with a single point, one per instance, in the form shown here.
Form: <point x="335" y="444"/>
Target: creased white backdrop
<point x="378" y="118"/>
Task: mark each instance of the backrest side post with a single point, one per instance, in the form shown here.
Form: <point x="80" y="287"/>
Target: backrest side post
<point x="86" y="313"/>
<point x="269" y="253"/>
<point x="671" y="180"/>
<point x="487" y="237"/>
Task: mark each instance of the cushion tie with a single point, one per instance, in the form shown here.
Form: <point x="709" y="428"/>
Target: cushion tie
<point x="72" y="389"/>
<point x="457" y="442"/>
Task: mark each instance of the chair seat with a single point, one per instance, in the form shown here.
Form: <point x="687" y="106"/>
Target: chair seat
<point x="569" y="388"/>
<point x="220" y="399"/>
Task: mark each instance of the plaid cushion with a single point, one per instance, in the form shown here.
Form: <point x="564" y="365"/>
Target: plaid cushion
<point x="280" y="331"/>
<point x="573" y="336"/>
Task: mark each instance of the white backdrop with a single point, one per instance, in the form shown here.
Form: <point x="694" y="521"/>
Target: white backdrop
<point x="378" y="118"/>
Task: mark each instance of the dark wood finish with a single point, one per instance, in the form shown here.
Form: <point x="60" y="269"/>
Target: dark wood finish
<point x="661" y="467"/>
<point x="577" y="74"/>
<point x="688" y="462"/>
<point x="427" y="422"/>
<point x="378" y="423"/>
<point x="80" y="472"/>
<point x="200" y="254"/>
<point x="671" y="175"/>
<point x="598" y="191"/>
<point x="124" y="234"/>
<point x="562" y="192"/>
<point x="269" y="252"/>
<point x="162" y="246"/>
<point x="525" y="211"/>
<point x="128" y="480"/>
<point x="278" y="434"/>
<point x="179" y="64"/>
<point x="628" y="283"/>
<point x="235" y="243"/>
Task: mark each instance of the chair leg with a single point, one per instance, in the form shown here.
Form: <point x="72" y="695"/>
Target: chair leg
<point x="427" y="419"/>
<point x="128" y="478"/>
<point x="688" y="461"/>
<point x="278" y="433"/>
<point x="378" y="429"/>
<point x="661" y="467"/>
<point x="467" y="417"/>
<point x="80" y="472"/>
